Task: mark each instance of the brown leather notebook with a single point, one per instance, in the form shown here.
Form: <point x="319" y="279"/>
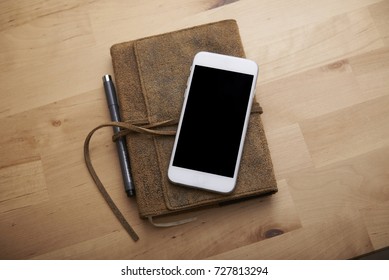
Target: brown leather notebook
<point x="151" y="75"/>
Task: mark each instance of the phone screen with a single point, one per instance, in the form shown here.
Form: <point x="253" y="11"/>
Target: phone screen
<point x="213" y="121"/>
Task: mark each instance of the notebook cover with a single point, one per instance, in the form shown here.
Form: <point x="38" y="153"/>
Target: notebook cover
<point x="151" y="75"/>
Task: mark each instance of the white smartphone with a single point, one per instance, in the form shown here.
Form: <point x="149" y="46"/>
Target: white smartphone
<point x="213" y="122"/>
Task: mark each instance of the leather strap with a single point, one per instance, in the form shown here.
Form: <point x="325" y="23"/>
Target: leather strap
<point x="126" y="128"/>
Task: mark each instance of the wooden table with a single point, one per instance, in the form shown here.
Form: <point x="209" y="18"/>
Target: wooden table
<point x="324" y="88"/>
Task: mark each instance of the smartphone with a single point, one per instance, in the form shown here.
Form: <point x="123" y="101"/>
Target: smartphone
<point x="213" y="122"/>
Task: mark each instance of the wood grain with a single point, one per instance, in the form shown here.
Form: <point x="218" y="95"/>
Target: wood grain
<point x="324" y="88"/>
<point x="23" y="185"/>
<point x="376" y="218"/>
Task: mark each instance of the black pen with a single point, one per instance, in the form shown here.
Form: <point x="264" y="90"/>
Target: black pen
<point x="110" y="93"/>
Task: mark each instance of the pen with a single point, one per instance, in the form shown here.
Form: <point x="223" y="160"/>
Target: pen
<point x="110" y="93"/>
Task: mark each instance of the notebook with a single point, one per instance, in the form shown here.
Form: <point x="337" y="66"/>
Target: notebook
<point x="150" y="76"/>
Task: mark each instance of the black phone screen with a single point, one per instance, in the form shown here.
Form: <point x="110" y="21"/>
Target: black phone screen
<point x="213" y="121"/>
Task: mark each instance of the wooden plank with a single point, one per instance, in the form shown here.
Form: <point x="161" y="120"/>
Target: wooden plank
<point x="337" y="238"/>
<point x="380" y="12"/>
<point x="309" y="94"/>
<point x="36" y="43"/>
<point x="142" y="19"/>
<point x="304" y="38"/>
<point x="22" y="185"/>
<point x="20" y="12"/>
<point x="376" y="217"/>
<point x="264" y="18"/>
<point x="78" y="216"/>
<point x="335" y="189"/>
<point x="371" y="72"/>
<point x="285" y="158"/>
<point x="216" y="230"/>
<point x="349" y="132"/>
<point x="55" y="133"/>
<point x="313" y="45"/>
